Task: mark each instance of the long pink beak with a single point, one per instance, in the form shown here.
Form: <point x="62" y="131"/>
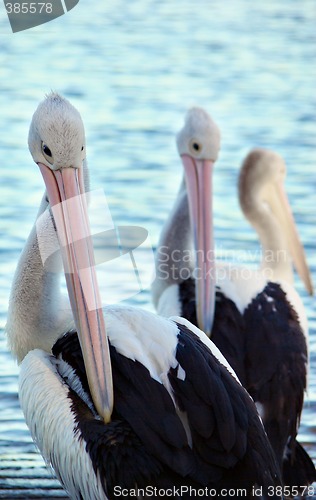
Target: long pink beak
<point x="66" y="195"/>
<point x="282" y="209"/>
<point x="198" y="175"/>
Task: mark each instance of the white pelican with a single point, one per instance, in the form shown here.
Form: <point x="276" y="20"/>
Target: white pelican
<point x="276" y="331"/>
<point x="258" y="323"/>
<point x="175" y="416"/>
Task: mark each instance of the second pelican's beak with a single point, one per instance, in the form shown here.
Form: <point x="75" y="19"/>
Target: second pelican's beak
<point x="198" y="175"/>
<point x="65" y="189"/>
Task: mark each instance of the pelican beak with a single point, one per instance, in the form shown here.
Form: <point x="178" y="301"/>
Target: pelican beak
<point x="65" y="189"/>
<point x="282" y="210"/>
<point x="198" y="175"/>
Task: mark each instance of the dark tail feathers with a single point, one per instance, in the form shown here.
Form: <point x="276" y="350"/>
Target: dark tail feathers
<point x="298" y="467"/>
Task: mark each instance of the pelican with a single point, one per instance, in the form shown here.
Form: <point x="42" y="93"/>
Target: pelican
<point x="276" y="313"/>
<point x="118" y="400"/>
<point x="255" y="317"/>
<point x="185" y="282"/>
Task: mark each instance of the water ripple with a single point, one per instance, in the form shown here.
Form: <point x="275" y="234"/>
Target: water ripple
<point x="133" y="69"/>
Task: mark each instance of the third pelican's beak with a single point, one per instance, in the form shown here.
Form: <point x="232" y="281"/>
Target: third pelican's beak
<point x="281" y="208"/>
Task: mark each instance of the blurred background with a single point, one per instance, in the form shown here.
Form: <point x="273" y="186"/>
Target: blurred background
<point x="133" y="69"/>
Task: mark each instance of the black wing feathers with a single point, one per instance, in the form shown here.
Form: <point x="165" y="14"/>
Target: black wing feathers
<point x="272" y="324"/>
<point x="238" y="441"/>
<point x="147" y="442"/>
<point x="228" y="327"/>
<point x="149" y="409"/>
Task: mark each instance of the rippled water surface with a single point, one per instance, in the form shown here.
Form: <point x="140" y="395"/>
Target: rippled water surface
<point x="132" y="69"/>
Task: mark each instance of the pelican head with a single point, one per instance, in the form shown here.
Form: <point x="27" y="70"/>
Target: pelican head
<point x="198" y="144"/>
<point x="200" y="137"/>
<point x="56" y="135"/>
<point x="57" y="144"/>
<point x="264" y="201"/>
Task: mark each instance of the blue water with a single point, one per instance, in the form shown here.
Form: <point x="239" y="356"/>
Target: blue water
<point x="132" y="69"/>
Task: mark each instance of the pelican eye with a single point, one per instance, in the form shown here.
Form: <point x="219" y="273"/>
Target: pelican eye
<point x="195" y="146"/>
<point x="82" y="148"/>
<point x="47" y="153"/>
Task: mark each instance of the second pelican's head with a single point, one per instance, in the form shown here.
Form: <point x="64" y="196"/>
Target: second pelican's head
<point x="198" y="145"/>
